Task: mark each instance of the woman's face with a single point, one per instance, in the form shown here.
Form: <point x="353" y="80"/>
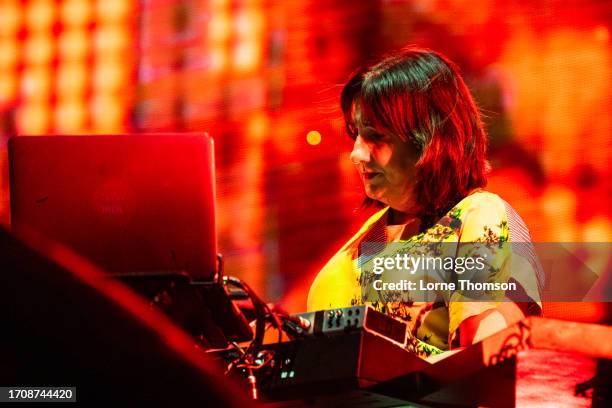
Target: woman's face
<point x="386" y="166"/>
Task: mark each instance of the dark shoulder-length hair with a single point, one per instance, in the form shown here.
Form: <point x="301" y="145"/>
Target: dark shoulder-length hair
<point x="419" y="95"/>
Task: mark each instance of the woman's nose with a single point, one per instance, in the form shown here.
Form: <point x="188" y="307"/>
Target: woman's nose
<point x="361" y="151"/>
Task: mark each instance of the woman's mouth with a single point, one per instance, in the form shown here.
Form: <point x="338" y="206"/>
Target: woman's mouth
<point x="370" y="175"/>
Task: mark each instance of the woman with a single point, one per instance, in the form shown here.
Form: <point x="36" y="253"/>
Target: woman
<point x="419" y="147"/>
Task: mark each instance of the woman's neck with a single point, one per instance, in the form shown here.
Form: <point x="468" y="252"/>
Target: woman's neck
<point x="396" y="217"/>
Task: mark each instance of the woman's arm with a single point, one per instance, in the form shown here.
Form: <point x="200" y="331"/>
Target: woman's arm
<point x="475" y="328"/>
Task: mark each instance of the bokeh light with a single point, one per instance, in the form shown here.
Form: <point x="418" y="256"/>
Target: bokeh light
<point x="40" y="14"/>
<point x="38" y="49"/>
<point x="111" y="39"/>
<point x="107" y="112"/>
<point x="112" y="10"/>
<point x="109" y="74"/>
<point x="75" y="12"/>
<point x="10" y="17"/>
<point x="73" y="44"/>
<point x="313" y="137"/>
<point x="71" y="79"/>
<point x="246" y="56"/>
<point x="33" y="118"/>
<point x="36" y="84"/>
<point x="9" y="53"/>
<point x="8" y="86"/>
<point x="70" y="116"/>
<point x="219" y="27"/>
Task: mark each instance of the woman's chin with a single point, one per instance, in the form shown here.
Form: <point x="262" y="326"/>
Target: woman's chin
<point x="376" y="194"/>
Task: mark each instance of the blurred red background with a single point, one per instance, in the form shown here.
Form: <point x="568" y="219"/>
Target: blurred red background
<point x="263" y="78"/>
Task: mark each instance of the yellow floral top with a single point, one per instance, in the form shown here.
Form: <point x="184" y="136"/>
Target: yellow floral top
<point x="480" y="217"/>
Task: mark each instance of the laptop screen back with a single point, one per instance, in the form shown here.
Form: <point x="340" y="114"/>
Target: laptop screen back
<point x="130" y="203"/>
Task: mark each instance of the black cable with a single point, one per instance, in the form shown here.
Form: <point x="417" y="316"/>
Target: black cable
<point x="259" y="308"/>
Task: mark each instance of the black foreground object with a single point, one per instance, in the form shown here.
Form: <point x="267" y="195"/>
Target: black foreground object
<point x="63" y="326"/>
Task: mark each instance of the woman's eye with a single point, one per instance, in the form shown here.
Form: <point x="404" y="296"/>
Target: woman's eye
<point x="374" y="137"/>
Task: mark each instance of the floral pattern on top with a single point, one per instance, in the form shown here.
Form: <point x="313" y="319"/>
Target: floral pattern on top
<point x="479" y="219"/>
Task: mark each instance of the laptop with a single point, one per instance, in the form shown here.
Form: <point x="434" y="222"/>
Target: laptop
<point x="132" y="204"/>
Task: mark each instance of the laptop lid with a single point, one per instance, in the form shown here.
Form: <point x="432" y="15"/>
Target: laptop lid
<point x="130" y="203"/>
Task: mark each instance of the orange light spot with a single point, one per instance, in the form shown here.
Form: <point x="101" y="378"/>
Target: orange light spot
<point x="111" y="39"/>
<point x="112" y="10"/>
<point x="8" y="86"/>
<point x="38" y="49"/>
<point x="71" y="79"/>
<point x="36" y="83"/>
<point x="217" y="4"/>
<point x="109" y="75"/>
<point x="313" y="138"/>
<point x="218" y="58"/>
<point x="218" y="28"/>
<point x="73" y="44"/>
<point x="107" y="113"/>
<point x="40" y="14"/>
<point x="70" y="116"/>
<point x="10" y="18"/>
<point x="257" y="127"/>
<point x="75" y="12"/>
<point x="601" y="34"/>
<point x="246" y="56"/>
<point x="248" y="23"/>
<point x="8" y="53"/>
<point x="33" y="119"/>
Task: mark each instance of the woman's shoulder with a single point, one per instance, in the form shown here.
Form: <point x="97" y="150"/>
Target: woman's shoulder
<point x="483" y="215"/>
<point x="482" y="200"/>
